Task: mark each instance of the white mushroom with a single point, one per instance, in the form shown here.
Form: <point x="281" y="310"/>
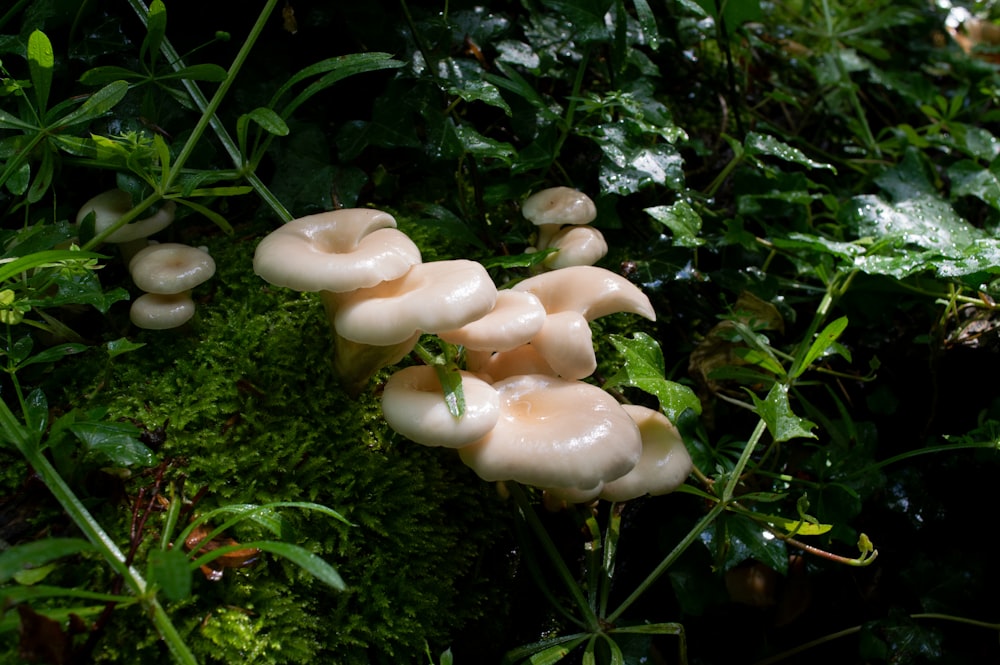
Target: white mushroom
<point x="593" y="292"/>
<point x="338" y="251"/>
<point x="556" y="433"/>
<point x="431" y="297"/>
<point x="664" y="465"/>
<point x="515" y="318"/>
<point x="566" y="343"/>
<point x="413" y="404"/>
<point x="551" y="209"/>
<point x="578" y="246"/>
<point x="169" y="268"/>
<point x="108" y="207"/>
<point x="156" y="311"/>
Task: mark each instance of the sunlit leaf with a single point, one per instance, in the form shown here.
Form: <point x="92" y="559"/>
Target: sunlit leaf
<point x="643" y="368"/>
<point x="682" y="220"/>
<point x="41" y="60"/>
<point x="777" y="413"/>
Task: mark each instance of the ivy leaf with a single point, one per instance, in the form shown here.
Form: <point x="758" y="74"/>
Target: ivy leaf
<point x="764" y="144"/>
<point x="644" y="369"/>
<point x="631" y="162"/>
<point x="777" y="414"/>
<point x="116" y="442"/>
<point x="683" y="220"/>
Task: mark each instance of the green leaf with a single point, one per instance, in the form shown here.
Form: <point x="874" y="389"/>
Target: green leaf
<point x="630" y="163"/>
<point x="97" y="104"/>
<point x="764" y="144"/>
<point x="301" y="557"/>
<point x="647" y="23"/>
<point x="54" y="354"/>
<point x="451" y="383"/>
<point x="202" y="72"/>
<point x="8" y="121"/>
<point x="777" y="414"/>
<point x="156" y="29"/>
<point x="107" y="74"/>
<point x="820" y="345"/>
<point x="643" y="368"/>
<point x="40" y="64"/>
<point x="269" y="121"/>
<point x="682" y="220"/>
<point x="335" y="69"/>
<point x="218" y="219"/>
<point x="114" y="441"/>
<point x="169" y="570"/>
<point x="122" y="345"/>
<point x="38" y="553"/>
<point x="970" y="179"/>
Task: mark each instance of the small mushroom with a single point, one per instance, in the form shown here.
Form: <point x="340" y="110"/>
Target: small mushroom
<point x="413" y="405"/>
<point x="430" y="297"/>
<point x="551" y="209"/>
<point x="664" y="465"/>
<point x="554" y="433"/>
<point x="157" y="311"/>
<point x="108" y="207"/>
<point x="578" y="246"/>
<point x="170" y="267"/>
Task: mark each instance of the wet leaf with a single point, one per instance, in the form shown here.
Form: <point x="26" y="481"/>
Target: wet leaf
<point x="777" y="414"/>
<point x="40" y="63"/>
<point x="38" y="553"/>
<point x="643" y="369"/>
<point x="764" y="144"/>
<point x="169" y="569"/>
<point x="117" y="443"/>
<point x="682" y="220"/>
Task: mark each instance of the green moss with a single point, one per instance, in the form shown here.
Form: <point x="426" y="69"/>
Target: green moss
<point x="250" y="406"/>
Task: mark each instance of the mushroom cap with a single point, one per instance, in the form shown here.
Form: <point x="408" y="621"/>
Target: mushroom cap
<point x="589" y="290"/>
<point x="665" y="462"/>
<point x="413" y="404"/>
<point x="339" y="250"/>
<point x="559" y="205"/>
<point x="430" y="297"/>
<point x="515" y="318"/>
<point x="504" y="364"/>
<point x="555" y="433"/>
<point x="566" y="343"/>
<point x="170" y="267"/>
<point x="156" y="311"/>
<point x="578" y="246"/>
<point x="109" y="206"/>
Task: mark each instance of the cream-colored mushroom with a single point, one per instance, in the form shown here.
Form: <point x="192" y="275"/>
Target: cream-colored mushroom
<point x="665" y="462"/>
<point x="170" y="267"/>
<point x="157" y="311"/>
<point x="551" y="209"/>
<point x="108" y="207"/>
<point x="337" y="251"/>
<point x="430" y="297"/>
<point x="413" y="404"/>
<point x="592" y="291"/>
<point x="556" y="433"/>
<point x="578" y="246"/>
<point x="515" y="318"/>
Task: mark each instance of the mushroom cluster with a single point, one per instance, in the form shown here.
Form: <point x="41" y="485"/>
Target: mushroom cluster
<point x="528" y="414"/>
<point x="563" y="216"/>
<point x="166" y="273"/>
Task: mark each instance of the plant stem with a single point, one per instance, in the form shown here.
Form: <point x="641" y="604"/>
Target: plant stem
<point x="96" y="535"/>
<point x="528" y="513"/>
<point x="203" y="104"/>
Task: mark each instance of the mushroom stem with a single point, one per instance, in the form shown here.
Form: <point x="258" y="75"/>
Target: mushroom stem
<point x="355" y="362"/>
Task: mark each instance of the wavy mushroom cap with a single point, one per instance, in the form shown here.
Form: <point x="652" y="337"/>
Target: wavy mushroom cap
<point x="555" y="433"/>
<point x="515" y="318"/>
<point x="339" y="250"/>
<point x="430" y="297"/>
<point x="109" y="206"/>
<point x="413" y="404"/>
<point x="156" y="311"/>
<point x="170" y="267"/>
<point x="588" y="290"/>
<point x="566" y="343"/>
<point x="578" y="246"/>
<point x="504" y="364"/>
<point x="665" y="462"/>
<point x="559" y="205"/>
